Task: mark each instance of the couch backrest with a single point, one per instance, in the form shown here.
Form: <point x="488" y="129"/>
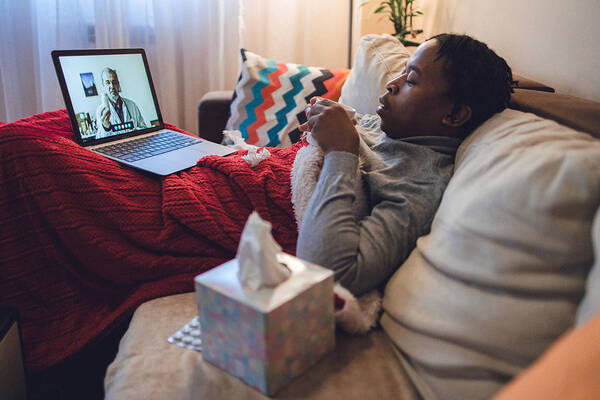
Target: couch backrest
<point x="574" y="112"/>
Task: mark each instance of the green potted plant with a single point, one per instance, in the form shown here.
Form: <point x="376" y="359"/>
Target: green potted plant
<point x="400" y="13"/>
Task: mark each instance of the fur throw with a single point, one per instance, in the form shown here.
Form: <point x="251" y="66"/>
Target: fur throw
<point x="357" y="316"/>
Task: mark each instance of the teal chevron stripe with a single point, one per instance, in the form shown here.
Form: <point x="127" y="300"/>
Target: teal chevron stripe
<point x="290" y="104"/>
<point x="263" y="80"/>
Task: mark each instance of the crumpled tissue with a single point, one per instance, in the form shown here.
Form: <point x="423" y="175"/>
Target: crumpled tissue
<point x="253" y="158"/>
<point x="235" y="140"/>
<point x="257" y="256"/>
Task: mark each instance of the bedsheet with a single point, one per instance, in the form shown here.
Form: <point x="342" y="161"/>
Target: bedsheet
<point x="85" y="240"/>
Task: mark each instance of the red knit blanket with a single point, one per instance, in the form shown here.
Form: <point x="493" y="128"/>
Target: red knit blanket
<point x="85" y="240"/>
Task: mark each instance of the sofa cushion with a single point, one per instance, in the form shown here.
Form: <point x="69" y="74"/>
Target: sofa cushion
<point x="504" y="267"/>
<point x="270" y="97"/>
<point x="148" y="367"/>
<point x="569" y="369"/>
<point x="378" y="59"/>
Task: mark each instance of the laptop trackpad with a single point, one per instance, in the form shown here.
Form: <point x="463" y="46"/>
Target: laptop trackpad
<point x="186" y="155"/>
<point x="173" y="161"/>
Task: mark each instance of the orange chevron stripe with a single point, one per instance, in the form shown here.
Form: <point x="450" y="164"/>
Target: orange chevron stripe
<point x="267" y="94"/>
<point x="334" y="85"/>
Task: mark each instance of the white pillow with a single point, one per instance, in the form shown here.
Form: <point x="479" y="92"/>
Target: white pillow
<point x="526" y="185"/>
<point x="378" y="60"/>
<point x="499" y="277"/>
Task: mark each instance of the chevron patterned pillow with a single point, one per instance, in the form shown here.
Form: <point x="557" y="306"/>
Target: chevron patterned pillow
<point x="270" y="97"/>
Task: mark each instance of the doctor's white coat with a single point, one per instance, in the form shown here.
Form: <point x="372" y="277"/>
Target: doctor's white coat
<point x="131" y="113"/>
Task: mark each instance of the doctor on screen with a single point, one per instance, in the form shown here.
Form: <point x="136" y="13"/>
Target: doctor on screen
<point x="116" y="110"/>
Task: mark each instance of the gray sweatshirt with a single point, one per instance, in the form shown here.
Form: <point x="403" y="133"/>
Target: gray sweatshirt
<point x="403" y="186"/>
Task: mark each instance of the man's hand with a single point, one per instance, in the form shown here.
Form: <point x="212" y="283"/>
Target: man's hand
<point x="331" y="126"/>
<point x="105" y="118"/>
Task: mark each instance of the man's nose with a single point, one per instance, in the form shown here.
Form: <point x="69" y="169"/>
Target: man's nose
<point x="392" y="87"/>
<point x="395" y="84"/>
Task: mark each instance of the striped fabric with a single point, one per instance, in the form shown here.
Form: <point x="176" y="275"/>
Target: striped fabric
<point x="270" y="97"/>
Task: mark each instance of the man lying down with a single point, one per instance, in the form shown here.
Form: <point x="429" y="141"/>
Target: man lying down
<point x="109" y="232"/>
<point x="450" y="85"/>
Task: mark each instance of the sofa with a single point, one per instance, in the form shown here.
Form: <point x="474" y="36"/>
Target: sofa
<point x="524" y="201"/>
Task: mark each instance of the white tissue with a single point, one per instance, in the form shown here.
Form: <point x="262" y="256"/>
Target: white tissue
<point x="235" y="140"/>
<point x="253" y="158"/>
<point x="257" y="256"/>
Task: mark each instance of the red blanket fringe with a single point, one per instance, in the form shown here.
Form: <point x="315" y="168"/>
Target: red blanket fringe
<point x="85" y="240"/>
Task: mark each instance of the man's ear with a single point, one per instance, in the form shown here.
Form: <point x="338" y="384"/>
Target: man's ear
<point x="458" y="117"/>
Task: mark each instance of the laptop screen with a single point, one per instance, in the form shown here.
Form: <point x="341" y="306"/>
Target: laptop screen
<point x="110" y="96"/>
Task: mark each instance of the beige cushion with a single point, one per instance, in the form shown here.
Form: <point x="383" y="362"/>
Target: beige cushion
<point x="379" y="59"/>
<point x="569" y="369"/>
<point x="499" y="277"/>
<point x="148" y="367"/>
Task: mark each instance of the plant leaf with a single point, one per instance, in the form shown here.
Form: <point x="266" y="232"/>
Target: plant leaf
<point x="379" y="10"/>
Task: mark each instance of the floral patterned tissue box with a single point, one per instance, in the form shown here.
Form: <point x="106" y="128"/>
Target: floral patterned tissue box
<point x="268" y="336"/>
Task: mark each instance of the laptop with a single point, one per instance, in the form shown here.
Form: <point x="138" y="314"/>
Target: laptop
<point x="114" y="111"/>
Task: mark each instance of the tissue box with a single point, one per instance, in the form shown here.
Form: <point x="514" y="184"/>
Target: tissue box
<point x="269" y="336"/>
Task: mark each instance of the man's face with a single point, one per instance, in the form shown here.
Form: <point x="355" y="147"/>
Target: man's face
<point x="416" y="101"/>
<point x="111" y="83"/>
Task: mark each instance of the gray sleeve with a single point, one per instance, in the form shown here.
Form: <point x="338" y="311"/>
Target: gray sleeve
<point x="363" y="254"/>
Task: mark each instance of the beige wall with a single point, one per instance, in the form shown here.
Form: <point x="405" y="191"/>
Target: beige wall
<point x="552" y="41"/>
<point x="311" y="32"/>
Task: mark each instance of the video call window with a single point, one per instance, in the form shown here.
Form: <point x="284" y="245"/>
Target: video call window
<point x="110" y="94"/>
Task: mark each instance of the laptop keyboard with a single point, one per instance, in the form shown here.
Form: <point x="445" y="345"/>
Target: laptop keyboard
<point x="148" y="146"/>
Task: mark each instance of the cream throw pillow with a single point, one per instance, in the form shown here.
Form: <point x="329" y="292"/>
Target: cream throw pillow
<point x="501" y="273"/>
<point x="379" y="59"/>
<point x="522" y="199"/>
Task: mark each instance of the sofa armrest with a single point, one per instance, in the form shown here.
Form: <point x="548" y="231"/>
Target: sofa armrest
<point x="213" y="111"/>
<point x="522" y="82"/>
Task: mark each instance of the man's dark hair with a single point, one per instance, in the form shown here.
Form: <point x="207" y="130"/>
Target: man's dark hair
<point x="477" y="77"/>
